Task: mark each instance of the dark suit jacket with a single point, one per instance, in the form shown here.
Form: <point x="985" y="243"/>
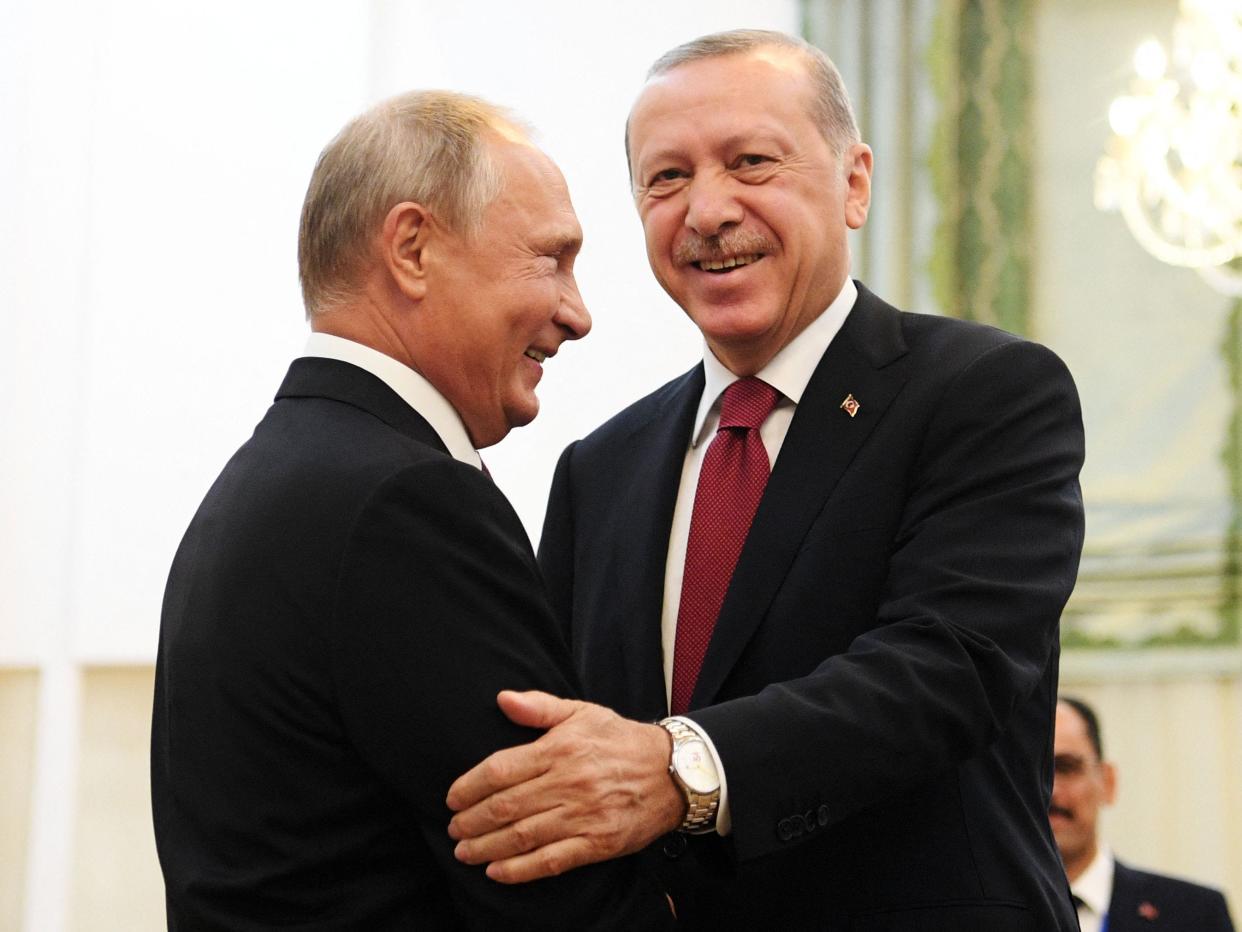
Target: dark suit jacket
<point x="341" y="613"/>
<point x="1144" y="902"/>
<point x="882" y="677"/>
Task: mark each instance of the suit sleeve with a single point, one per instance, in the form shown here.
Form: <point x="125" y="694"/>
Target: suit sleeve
<point x="556" y="544"/>
<point x="984" y="557"/>
<point x="440" y="606"/>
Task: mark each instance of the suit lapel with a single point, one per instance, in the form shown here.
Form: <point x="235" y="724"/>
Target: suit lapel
<point x="1129" y="909"/>
<point x="656" y="455"/>
<point x="863" y="361"/>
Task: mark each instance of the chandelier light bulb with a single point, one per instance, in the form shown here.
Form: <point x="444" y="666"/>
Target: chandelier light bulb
<point x="1150" y="60"/>
<point x="1125" y="116"/>
<point x="1208" y="72"/>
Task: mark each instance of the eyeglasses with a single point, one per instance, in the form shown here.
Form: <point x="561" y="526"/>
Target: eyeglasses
<point x="1071" y="765"/>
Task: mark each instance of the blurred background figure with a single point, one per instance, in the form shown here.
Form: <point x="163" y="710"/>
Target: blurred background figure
<point x="1110" y="895"/>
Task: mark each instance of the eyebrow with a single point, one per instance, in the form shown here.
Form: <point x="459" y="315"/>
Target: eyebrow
<point x="561" y="243"/>
<point x="760" y="136"/>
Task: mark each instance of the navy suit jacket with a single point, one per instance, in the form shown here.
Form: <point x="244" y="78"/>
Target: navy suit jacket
<point x="339" y="617"/>
<point x="1144" y="902"/>
<point x="882" y="677"/>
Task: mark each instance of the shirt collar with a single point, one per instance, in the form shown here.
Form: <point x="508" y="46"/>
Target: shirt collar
<point x="789" y="370"/>
<point x="1095" y="885"/>
<point x="414" y="390"/>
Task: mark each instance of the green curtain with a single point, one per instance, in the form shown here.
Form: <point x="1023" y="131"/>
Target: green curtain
<point x="980" y="67"/>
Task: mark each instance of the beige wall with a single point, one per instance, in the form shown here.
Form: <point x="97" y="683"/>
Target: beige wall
<point x="116" y="877"/>
<point x="116" y="883"/>
<point x="19" y="690"/>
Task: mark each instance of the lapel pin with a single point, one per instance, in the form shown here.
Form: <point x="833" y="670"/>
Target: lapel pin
<point x="1148" y="911"/>
<point x="850" y="405"/>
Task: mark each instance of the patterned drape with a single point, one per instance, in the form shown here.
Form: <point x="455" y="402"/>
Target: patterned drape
<point x="980" y="63"/>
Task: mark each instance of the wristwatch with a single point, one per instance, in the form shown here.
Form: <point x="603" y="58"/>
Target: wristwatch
<point x="694" y="771"/>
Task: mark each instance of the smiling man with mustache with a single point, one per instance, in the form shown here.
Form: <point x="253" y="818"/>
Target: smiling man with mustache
<point x="829" y="560"/>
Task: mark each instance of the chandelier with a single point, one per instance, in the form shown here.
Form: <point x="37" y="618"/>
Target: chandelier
<point x="1174" y="162"/>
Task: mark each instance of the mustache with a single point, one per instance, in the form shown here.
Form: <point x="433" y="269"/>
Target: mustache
<point x="696" y="248"/>
<point x="1061" y="811"/>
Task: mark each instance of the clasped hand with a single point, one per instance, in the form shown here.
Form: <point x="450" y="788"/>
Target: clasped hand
<point x="594" y="786"/>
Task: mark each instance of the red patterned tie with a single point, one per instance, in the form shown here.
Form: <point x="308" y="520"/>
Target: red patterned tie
<point x="735" y="472"/>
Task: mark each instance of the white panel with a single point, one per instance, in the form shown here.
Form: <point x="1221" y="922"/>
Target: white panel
<point x="206" y="121"/>
<point x="44" y="282"/>
<point x="1111" y="310"/>
<point x="154" y="283"/>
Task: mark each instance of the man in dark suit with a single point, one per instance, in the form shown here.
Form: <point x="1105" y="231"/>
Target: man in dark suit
<point x="1111" y="895"/>
<point x="354" y="589"/>
<point x="862" y="727"/>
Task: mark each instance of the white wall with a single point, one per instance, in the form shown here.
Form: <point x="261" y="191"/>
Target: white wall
<point x="150" y="216"/>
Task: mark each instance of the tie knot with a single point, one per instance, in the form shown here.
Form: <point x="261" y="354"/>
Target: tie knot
<point x="747" y="403"/>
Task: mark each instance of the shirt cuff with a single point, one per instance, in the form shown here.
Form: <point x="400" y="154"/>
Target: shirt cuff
<point x="724" y="822"/>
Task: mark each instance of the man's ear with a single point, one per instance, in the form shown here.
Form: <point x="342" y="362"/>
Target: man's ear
<point x="1110" y="782"/>
<point x="403" y="241"/>
<point x="857" y="162"/>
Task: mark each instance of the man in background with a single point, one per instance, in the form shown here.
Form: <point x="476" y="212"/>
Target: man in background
<point x="1109" y="894"/>
<point x="836" y="551"/>
<point x="354" y="589"/>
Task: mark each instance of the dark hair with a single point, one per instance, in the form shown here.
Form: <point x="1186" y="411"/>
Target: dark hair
<point x="1090" y="719"/>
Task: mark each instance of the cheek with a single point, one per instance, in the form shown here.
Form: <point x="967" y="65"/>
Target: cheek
<point x="659" y="229"/>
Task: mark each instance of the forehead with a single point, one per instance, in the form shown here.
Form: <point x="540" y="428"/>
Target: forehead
<point x="533" y="196"/>
<point x="1071" y="731"/>
<point x="767" y="85"/>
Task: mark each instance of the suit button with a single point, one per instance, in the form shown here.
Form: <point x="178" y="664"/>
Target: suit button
<point x="784" y="830"/>
<point x="674" y="845"/>
<point x="823" y="816"/>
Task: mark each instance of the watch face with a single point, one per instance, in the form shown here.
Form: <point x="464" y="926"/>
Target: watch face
<point x="694" y="765"/>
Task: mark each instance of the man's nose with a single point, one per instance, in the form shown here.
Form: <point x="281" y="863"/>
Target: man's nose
<point x="1058" y="789"/>
<point x="572" y="316"/>
<point x="712" y="207"/>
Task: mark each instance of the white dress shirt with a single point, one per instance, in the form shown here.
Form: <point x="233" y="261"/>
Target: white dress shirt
<point x="414" y="390"/>
<point x="788" y="372"/>
<point x="1095" y="888"/>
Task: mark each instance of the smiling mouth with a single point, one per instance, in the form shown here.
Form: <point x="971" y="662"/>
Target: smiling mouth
<point x="728" y="264"/>
<point x="536" y="355"/>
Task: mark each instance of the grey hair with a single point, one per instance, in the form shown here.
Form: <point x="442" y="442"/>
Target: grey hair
<point x="830" y="105"/>
<point x="429" y="147"/>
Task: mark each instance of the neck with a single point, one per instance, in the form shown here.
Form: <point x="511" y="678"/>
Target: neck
<point x="1077" y="865"/>
<point x="364" y="321"/>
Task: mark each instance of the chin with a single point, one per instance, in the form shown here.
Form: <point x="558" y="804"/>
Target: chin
<point x="520" y="417"/>
<point x="733" y="324"/>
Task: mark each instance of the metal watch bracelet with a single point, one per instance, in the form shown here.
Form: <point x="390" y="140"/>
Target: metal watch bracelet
<point x="700" y="817"/>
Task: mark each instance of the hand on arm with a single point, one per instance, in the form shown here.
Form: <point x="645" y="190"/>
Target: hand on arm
<point x="595" y="786"/>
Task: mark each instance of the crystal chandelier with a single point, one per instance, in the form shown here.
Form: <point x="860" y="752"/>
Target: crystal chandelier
<point x="1174" y="162"/>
